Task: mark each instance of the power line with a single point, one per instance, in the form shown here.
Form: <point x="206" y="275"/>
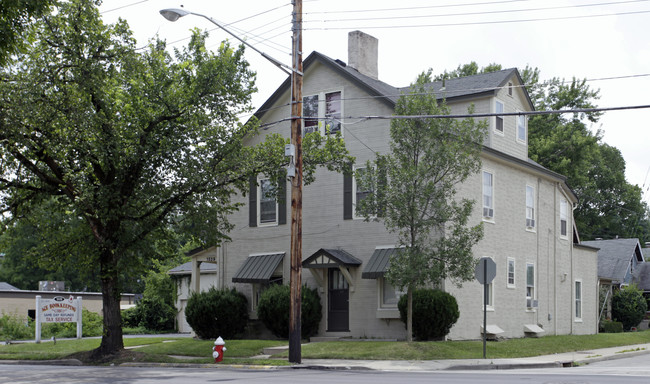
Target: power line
<point x="418" y="8"/>
<point x="123" y="6"/>
<point x="468" y="115"/>
<point x="393" y="17"/>
<point x="483" y="22"/>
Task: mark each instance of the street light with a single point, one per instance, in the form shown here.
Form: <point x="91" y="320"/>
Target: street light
<point x="173" y="14"/>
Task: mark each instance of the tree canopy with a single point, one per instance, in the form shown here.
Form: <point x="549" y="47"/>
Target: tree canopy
<point x="416" y="192"/>
<point x="16" y="16"/>
<point x="130" y="143"/>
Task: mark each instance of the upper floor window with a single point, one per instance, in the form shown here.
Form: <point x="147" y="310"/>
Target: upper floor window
<point x="268" y="207"/>
<point x="498" y="120"/>
<point x="578" y="299"/>
<point x="564" y="207"/>
<point x="509" y="88"/>
<point x="521" y="128"/>
<point x="511" y="273"/>
<point x="530" y="207"/>
<point x="488" y="195"/>
<point x="322" y="113"/>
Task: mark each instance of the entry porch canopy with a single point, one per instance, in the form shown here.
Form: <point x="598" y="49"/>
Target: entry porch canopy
<point x="323" y="259"/>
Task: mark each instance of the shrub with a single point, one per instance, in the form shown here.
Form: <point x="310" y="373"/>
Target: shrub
<point x="217" y="313"/>
<point x="609" y="326"/>
<point x="629" y="306"/>
<point x="155" y="314"/>
<point x="131" y="317"/>
<point x="434" y="313"/>
<point x="14" y="328"/>
<point x="273" y="310"/>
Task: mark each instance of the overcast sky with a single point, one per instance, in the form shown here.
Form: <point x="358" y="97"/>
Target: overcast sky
<point x="605" y="42"/>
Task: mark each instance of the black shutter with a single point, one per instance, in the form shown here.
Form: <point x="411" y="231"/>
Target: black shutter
<point x="282" y="202"/>
<point x="347" y="193"/>
<point x="252" y="202"/>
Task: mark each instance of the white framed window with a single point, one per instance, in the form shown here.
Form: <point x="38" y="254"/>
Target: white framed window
<point x="578" y="300"/>
<point x="521" y="128"/>
<point x="530" y="207"/>
<point x="488" y="195"/>
<point x="322" y="112"/>
<point x="488" y="298"/>
<point x="389" y="295"/>
<point x="498" y="120"/>
<point x="530" y="286"/>
<point x="511" y="273"/>
<point x="564" y="209"/>
<point x="510" y="88"/>
<point x="267" y="206"/>
<point x="359" y="193"/>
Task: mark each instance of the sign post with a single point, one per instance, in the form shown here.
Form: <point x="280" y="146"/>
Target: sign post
<point x="58" y="310"/>
<point x="485" y="271"/>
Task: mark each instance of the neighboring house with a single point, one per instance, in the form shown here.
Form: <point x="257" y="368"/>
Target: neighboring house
<point x="182" y="275"/>
<point x="7" y="287"/>
<point x="618" y="261"/>
<point x="545" y="283"/>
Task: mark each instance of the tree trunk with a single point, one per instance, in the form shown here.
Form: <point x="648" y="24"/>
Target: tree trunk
<point x="409" y="315"/>
<point x="112" y="342"/>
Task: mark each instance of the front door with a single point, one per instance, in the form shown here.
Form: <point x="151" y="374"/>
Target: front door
<point x="338" y="294"/>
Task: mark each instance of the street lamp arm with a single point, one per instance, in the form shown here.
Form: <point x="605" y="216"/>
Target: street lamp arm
<point x="173" y="14"/>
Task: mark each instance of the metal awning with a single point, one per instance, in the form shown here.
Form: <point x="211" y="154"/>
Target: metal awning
<point x="378" y="264"/>
<point x="331" y="258"/>
<point x="258" y="268"/>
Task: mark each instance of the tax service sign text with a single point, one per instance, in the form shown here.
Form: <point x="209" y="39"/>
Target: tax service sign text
<point x="59" y="310"/>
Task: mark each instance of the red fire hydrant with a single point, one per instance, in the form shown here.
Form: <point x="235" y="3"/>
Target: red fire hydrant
<point x="219" y="349"/>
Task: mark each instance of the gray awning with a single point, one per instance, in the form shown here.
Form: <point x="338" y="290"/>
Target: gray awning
<point x="258" y="268"/>
<point x="330" y="258"/>
<point x="378" y="264"/>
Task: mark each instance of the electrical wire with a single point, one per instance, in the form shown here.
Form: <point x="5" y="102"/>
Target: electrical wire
<point x="123" y="6"/>
<point x="481" y="22"/>
<point x="421" y="7"/>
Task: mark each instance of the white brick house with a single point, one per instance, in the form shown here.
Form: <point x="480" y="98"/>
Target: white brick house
<point x="545" y="282"/>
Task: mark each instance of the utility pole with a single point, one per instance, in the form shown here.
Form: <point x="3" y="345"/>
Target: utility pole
<point x="295" y="282"/>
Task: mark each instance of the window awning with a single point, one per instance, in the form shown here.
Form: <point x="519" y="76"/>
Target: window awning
<point x="258" y="268"/>
<point x="378" y="264"/>
<point x="331" y="258"/>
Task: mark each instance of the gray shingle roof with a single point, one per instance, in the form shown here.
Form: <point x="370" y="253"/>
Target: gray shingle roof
<point x="641" y="276"/>
<point x="7" y="287"/>
<point x="614" y="256"/>
<point x="328" y="258"/>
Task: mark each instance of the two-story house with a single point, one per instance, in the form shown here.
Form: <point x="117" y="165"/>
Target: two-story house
<point x="545" y="283"/>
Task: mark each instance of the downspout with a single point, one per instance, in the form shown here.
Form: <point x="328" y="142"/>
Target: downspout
<point x="555" y="257"/>
<point x="572" y="282"/>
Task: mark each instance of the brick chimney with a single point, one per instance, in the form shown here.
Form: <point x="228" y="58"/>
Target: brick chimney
<point x="363" y="53"/>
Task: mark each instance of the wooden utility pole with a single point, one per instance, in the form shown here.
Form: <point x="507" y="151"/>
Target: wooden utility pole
<point x="296" y="186"/>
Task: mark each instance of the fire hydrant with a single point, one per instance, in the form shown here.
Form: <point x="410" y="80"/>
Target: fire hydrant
<point x="219" y="349"/>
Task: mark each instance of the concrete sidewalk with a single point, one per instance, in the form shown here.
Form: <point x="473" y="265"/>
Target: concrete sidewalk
<point x="567" y="359"/>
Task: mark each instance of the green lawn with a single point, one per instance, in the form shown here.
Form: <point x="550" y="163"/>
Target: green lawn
<point x="187" y="350"/>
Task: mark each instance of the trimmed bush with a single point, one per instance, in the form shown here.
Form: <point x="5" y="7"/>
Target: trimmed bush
<point x="273" y="310"/>
<point x="434" y="313"/>
<point x="131" y="317"/>
<point x="609" y="326"/>
<point x="217" y="313"/>
<point x="629" y="306"/>
<point x="156" y="314"/>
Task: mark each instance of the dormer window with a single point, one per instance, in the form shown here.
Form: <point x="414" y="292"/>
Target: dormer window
<point x="322" y="113"/>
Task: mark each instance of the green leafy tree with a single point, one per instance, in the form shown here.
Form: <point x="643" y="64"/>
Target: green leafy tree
<point x="133" y="143"/>
<point x="429" y="158"/>
<point x="629" y="306"/>
<point x="467" y="70"/>
<point x="16" y="16"/>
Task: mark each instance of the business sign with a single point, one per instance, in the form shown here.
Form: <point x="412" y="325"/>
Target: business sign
<point x="59" y="310"/>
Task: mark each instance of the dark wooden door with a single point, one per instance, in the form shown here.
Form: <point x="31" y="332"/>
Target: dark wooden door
<point x="338" y="309"/>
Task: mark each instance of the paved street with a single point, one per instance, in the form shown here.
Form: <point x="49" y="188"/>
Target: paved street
<point x="628" y="370"/>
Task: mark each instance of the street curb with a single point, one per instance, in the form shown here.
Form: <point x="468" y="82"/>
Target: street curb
<point x="62" y="362"/>
<point x="332" y="368"/>
<point x="204" y="366"/>
<point x="490" y="367"/>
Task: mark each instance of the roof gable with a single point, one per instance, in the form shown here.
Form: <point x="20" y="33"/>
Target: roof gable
<point x="614" y="256"/>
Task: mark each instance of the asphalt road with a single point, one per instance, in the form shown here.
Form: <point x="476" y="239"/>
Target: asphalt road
<point x="628" y="370"/>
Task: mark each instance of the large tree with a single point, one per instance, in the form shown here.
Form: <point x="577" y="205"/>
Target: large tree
<point x="416" y="197"/>
<point x="130" y="142"/>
